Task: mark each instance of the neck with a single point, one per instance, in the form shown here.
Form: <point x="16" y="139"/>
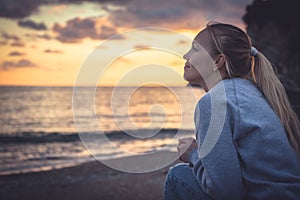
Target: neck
<point x="212" y="80"/>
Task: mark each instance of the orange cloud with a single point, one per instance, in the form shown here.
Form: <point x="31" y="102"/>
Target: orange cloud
<point x="141" y="46"/>
<point x="17" y="44"/>
<point x="2" y="43"/>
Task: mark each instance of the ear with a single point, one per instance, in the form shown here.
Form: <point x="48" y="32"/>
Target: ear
<point x="220" y="60"/>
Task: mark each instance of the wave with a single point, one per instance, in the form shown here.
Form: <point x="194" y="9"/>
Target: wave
<point x="50" y="158"/>
<point x="39" y="137"/>
<point x="43" y="137"/>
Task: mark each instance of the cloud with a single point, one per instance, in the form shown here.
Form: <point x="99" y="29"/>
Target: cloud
<point x="53" y="51"/>
<point x="140" y="13"/>
<point x="17" y="44"/>
<point x="173" y="14"/>
<point x="178" y="14"/>
<point x="32" y="25"/>
<point x="45" y="36"/>
<point x="39" y="36"/>
<point x="2" y="43"/>
<point x="141" y="46"/>
<point x="17" y="9"/>
<point x="23" y="63"/>
<point x="7" y="36"/>
<point x="182" y="42"/>
<point x="16" y="53"/>
<point x="77" y="29"/>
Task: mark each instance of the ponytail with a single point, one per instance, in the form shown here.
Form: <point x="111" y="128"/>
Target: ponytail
<point x="267" y="81"/>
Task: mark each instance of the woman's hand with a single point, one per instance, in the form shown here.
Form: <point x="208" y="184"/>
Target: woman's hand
<point x="184" y="148"/>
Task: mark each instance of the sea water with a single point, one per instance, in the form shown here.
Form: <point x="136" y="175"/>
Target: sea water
<point x="39" y="131"/>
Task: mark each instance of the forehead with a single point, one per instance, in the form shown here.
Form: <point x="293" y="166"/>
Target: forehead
<point x="203" y="38"/>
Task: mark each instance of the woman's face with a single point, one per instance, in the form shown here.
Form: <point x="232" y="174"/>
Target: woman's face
<point x="199" y="66"/>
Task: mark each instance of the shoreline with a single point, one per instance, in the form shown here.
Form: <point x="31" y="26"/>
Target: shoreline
<point x="44" y="168"/>
<point x="33" y="152"/>
<point x="91" y="180"/>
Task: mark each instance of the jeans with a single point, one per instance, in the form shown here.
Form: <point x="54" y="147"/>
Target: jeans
<point x="180" y="184"/>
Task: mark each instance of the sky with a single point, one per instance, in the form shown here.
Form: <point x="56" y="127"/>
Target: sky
<point x="103" y="42"/>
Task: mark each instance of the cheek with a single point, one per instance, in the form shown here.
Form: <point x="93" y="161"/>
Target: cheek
<point x="192" y="75"/>
<point x="203" y="63"/>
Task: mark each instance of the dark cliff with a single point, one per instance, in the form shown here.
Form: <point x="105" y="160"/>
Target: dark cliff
<point x="274" y="28"/>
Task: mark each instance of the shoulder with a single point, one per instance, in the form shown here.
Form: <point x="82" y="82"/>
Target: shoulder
<point x="250" y="109"/>
<point x="230" y="92"/>
<point x="245" y="95"/>
<point x="233" y="99"/>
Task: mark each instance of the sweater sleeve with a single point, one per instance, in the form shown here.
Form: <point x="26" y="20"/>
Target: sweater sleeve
<point x="218" y="171"/>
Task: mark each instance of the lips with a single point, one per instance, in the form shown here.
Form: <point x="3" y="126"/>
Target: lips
<point x="187" y="65"/>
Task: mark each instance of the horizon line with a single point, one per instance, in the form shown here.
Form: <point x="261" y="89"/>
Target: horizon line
<point x="13" y="85"/>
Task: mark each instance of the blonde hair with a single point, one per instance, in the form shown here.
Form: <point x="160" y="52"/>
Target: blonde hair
<point x="235" y="44"/>
<point x="269" y="84"/>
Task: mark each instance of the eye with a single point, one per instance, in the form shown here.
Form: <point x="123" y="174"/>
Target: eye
<point x="194" y="48"/>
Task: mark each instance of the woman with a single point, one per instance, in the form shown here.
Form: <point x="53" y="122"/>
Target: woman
<point x="255" y="153"/>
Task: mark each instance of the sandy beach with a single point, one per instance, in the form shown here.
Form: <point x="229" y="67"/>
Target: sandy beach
<point x="92" y="180"/>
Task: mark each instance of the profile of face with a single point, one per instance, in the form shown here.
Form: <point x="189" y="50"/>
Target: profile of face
<point x="200" y="68"/>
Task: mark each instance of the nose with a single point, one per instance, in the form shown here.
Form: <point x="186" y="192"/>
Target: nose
<point x="186" y="55"/>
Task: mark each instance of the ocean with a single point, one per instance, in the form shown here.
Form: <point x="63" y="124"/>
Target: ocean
<point x="40" y="131"/>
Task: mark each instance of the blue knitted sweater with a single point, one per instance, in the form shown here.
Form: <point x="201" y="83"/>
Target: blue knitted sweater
<point x="243" y="152"/>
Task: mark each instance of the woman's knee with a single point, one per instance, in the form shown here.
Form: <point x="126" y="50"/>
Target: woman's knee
<point x="178" y="171"/>
<point x="171" y="181"/>
<point x="180" y="183"/>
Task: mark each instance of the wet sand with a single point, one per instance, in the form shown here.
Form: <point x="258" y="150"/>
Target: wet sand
<point x="92" y="180"/>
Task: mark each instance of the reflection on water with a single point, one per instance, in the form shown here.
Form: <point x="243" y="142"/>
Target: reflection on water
<point x="38" y="131"/>
<point x="49" y="109"/>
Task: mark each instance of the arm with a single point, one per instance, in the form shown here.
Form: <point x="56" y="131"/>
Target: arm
<point x="218" y="172"/>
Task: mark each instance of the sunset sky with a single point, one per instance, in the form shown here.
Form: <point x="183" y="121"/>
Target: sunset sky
<point x="48" y="42"/>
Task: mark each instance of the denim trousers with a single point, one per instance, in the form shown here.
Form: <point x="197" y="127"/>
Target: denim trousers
<point x="180" y="184"/>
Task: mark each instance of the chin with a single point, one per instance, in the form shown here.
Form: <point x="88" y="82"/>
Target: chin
<point x="186" y="78"/>
<point x="192" y="82"/>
